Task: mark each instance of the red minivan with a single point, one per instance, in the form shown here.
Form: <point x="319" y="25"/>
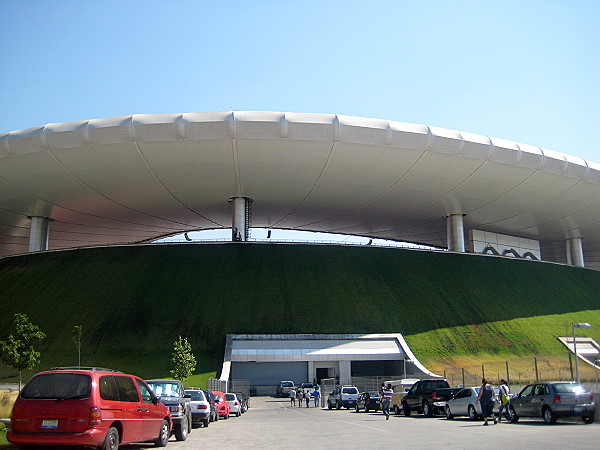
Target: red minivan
<point x="93" y="407"/>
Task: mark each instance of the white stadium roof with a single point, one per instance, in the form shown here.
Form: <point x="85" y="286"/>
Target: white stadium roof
<point x="135" y="178"/>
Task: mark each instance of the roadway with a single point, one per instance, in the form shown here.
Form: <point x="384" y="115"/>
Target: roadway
<point x="272" y="423"/>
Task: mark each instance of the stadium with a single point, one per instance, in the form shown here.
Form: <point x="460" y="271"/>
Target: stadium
<point x="82" y="202"/>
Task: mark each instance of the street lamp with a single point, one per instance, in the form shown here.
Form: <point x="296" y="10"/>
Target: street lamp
<point x="578" y="325"/>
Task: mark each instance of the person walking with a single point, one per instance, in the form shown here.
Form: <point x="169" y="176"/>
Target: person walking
<point x="317" y="396"/>
<point x="504" y="401"/>
<point x="292" y="397"/>
<point x="486" y="399"/>
<point x="300" y="396"/>
<point x="307" y="397"/>
<point x="386" y="399"/>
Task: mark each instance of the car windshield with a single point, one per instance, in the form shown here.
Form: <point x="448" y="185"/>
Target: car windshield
<point x="61" y="386"/>
<point x="197" y="396"/>
<point x="307" y="385"/>
<point x="165" y="389"/>
<point x="568" y="388"/>
<point x="287" y="384"/>
<point x="350" y="390"/>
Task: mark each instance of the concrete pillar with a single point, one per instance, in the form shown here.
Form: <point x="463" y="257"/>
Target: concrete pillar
<point x="311" y="371"/>
<point x="455" y="232"/>
<point x="575" y="251"/>
<point x="345" y="372"/>
<point x="38" y="233"/>
<point x="242" y="218"/>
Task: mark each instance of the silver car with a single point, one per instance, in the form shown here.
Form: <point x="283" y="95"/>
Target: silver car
<point x="465" y="403"/>
<point x="552" y="400"/>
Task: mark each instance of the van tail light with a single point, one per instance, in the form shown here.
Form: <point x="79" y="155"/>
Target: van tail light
<point x="434" y="396"/>
<point x="95" y="417"/>
<point x="556" y="398"/>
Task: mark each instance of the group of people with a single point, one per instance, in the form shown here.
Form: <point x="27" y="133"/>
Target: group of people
<point x="487" y="398"/>
<point x="301" y="394"/>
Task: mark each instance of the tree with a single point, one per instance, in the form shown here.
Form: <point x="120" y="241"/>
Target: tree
<point x="17" y="350"/>
<point x="183" y="359"/>
<point x="76" y="334"/>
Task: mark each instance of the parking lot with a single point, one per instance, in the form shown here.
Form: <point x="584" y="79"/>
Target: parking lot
<point x="272" y="423"/>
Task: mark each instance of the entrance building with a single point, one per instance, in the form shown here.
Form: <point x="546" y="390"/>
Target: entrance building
<point x="266" y="359"/>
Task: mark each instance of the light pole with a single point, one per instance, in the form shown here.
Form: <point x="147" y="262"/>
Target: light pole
<point x="578" y="325"/>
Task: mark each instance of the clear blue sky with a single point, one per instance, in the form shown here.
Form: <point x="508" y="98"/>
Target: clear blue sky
<point x="523" y="70"/>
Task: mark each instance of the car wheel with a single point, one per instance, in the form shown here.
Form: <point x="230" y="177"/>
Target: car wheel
<point x="587" y="419"/>
<point x="406" y="409"/>
<point x="548" y="415"/>
<point x="427" y="409"/>
<point x="358" y="410"/>
<point x="181" y="430"/>
<point x="111" y="441"/>
<point x="472" y="413"/>
<point x="226" y="416"/>
<point x="449" y="414"/>
<point x="396" y="410"/>
<point x="238" y="413"/>
<point x="513" y="415"/>
<point x="329" y="405"/>
<point x="189" y="421"/>
<point x="338" y="405"/>
<point x="367" y="408"/>
<point x="205" y="422"/>
<point x="163" y="435"/>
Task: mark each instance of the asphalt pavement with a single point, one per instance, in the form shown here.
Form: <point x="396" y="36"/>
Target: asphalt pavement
<point x="272" y="424"/>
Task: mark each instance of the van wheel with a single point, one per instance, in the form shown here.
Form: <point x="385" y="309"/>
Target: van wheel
<point x="449" y="414"/>
<point x="163" y="435"/>
<point x="587" y="419"/>
<point x="205" y="422"/>
<point x="111" y="442"/>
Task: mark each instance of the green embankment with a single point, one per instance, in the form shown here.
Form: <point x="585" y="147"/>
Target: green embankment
<point x="134" y="301"/>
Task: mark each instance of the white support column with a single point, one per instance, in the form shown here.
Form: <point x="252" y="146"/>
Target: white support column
<point x="242" y="214"/>
<point x="39" y="233"/>
<point x="455" y="232"/>
<point x="345" y="372"/>
<point x="311" y="375"/>
<point x="575" y="252"/>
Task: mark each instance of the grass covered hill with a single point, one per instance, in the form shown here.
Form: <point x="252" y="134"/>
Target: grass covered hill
<point x="134" y="301"/>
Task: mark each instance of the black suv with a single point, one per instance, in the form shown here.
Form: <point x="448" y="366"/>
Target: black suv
<point x="173" y="396"/>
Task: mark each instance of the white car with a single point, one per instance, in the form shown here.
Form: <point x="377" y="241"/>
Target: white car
<point x="235" y="406"/>
<point x="465" y="403"/>
<point x="200" y="407"/>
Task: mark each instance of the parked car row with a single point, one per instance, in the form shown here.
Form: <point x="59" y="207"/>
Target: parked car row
<point x="547" y="400"/>
<point x="104" y="408"/>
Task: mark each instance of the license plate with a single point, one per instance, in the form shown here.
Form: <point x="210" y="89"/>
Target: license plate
<point x="578" y="409"/>
<point x="50" y="423"/>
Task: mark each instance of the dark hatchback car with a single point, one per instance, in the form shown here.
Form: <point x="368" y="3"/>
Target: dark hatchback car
<point x="369" y="401"/>
<point x="552" y="400"/>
